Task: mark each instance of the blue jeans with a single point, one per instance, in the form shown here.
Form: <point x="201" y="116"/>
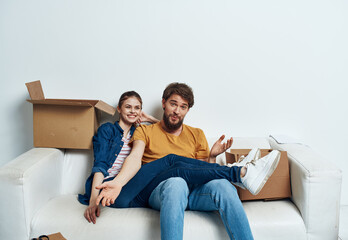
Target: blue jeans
<point x="173" y="196"/>
<point x="137" y="191"/>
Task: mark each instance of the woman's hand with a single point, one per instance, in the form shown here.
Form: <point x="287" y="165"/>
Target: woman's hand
<point x="144" y="117"/>
<point x="109" y="193"/>
<point x="92" y="212"/>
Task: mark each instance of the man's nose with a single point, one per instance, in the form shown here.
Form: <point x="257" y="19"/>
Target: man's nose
<point x="176" y="110"/>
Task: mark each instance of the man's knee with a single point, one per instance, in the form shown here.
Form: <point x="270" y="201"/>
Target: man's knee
<point x="224" y="189"/>
<point x="171" y="192"/>
<point x="175" y="187"/>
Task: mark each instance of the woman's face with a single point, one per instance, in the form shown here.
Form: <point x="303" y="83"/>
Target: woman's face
<point x="130" y="110"/>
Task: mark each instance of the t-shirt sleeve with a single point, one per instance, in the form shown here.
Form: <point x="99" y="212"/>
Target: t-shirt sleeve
<point x="139" y="134"/>
<point x="202" y="147"/>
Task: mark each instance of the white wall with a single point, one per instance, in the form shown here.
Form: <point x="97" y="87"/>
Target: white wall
<point x="256" y="67"/>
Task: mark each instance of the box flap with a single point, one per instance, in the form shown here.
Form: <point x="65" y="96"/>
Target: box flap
<point x="105" y="108"/>
<point x="65" y="102"/>
<point x="35" y="90"/>
<point x="77" y="102"/>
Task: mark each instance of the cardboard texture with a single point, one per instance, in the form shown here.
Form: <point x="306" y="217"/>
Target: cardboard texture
<point x="56" y="236"/>
<point x="277" y="186"/>
<point x="64" y="123"/>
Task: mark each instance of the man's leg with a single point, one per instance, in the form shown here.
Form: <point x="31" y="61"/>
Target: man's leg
<point x="222" y="196"/>
<point x="170" y="198"/>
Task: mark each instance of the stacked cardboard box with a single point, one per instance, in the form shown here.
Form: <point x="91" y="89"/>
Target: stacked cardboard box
<point x="277" y="186"/>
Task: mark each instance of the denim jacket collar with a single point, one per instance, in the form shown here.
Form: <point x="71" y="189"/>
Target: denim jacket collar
<point x="117" y="125"/>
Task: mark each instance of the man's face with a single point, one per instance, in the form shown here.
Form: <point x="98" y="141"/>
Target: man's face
<point x="175" y="109"/>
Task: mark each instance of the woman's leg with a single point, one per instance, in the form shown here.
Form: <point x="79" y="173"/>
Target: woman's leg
<point x="144" y="176"/>
<point x="192" y="174"/>
<point x="159" y="168"/>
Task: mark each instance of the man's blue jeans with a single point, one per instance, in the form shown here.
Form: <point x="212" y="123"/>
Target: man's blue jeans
<point x="173" y="196"/>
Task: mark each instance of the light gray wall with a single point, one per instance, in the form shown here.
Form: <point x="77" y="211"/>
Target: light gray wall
<point x="256" y="67"/>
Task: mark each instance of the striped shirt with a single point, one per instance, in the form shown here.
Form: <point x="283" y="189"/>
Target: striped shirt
<point x="125" y="151"/>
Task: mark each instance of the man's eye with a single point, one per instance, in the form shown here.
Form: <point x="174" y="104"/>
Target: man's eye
<point x="183" y="107"/>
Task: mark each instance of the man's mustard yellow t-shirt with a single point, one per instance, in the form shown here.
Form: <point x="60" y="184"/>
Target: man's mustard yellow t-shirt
<point x="191" y="142"/>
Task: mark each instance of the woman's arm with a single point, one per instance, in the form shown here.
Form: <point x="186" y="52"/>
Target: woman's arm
<point x="93" y="211"/>
<point x="144" y="117"/>
<point x="132" y="164"/>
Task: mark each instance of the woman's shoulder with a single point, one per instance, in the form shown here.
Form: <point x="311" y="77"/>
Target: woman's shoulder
<point x="106" y="126"/>
<point x="109" y="128"/>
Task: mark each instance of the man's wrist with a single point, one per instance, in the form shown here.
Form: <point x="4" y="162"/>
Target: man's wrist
<point x="212" y="159"/>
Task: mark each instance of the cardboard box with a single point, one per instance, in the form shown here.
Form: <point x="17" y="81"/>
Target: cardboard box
<point x="64" y="123"/>
<point x="277" y="186"/>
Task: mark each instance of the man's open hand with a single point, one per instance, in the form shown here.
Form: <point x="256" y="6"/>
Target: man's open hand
<point x="220" y="147"/>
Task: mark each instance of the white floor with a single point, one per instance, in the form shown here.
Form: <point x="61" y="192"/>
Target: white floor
<point x="343" y="233"/>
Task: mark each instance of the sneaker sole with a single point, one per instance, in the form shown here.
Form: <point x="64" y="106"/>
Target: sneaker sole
<point x="269" y="172"/>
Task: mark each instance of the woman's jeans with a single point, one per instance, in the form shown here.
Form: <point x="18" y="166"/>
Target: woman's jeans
<point x="137" y="191"/>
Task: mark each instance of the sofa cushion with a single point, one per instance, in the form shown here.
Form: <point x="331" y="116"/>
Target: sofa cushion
<point x="65" y="214"/>
<point x="274" y="220"/>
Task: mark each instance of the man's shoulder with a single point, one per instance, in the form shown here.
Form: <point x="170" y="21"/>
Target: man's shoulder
<point x="147" y="129"/>
<point x="193" y="129"/>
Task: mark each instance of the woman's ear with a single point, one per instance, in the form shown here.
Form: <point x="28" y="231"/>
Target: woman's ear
<point x="118" y="109"/>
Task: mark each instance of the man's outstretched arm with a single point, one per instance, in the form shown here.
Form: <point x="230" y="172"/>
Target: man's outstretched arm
<point x="218" y="148"/>
<point x="131" y="165"/>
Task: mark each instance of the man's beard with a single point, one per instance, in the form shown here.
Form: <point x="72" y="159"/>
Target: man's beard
<point x="171" y="126"/>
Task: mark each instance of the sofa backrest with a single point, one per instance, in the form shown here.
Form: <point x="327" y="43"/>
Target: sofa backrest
<point x="78" y="163"/>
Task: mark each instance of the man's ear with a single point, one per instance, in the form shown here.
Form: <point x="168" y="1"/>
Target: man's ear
<point x="163" y="103"/>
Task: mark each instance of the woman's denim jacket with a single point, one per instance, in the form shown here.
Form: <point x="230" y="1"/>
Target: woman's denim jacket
<point x="107" y="144"/>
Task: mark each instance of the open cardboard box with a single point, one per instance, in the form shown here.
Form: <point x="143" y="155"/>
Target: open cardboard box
<point x="277" y="186"/>
<point x="64" y="123"/>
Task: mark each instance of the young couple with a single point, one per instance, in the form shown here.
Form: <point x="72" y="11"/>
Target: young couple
<point x="179" y="170"/>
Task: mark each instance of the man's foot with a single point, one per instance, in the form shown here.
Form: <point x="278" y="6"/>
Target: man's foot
<point x="253" y="155"/>
<point x="259" y="171"/>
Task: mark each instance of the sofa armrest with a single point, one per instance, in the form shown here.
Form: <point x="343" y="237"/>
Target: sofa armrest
<point x="26" y="184"/>
<point x="316" y="189"/>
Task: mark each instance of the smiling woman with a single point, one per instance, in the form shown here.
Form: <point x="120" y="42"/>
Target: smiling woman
<point x="129" y="107"/>
<point x="111" y="148"/>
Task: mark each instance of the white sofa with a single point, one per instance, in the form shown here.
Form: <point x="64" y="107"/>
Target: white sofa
<point x="39" y="196"/>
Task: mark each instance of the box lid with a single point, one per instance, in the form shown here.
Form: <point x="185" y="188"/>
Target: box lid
<point x="37" y="97"/>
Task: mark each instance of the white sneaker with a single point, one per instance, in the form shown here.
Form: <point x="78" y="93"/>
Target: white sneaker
<point x="259" y="171"/>
<point x="253" y="155"/>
